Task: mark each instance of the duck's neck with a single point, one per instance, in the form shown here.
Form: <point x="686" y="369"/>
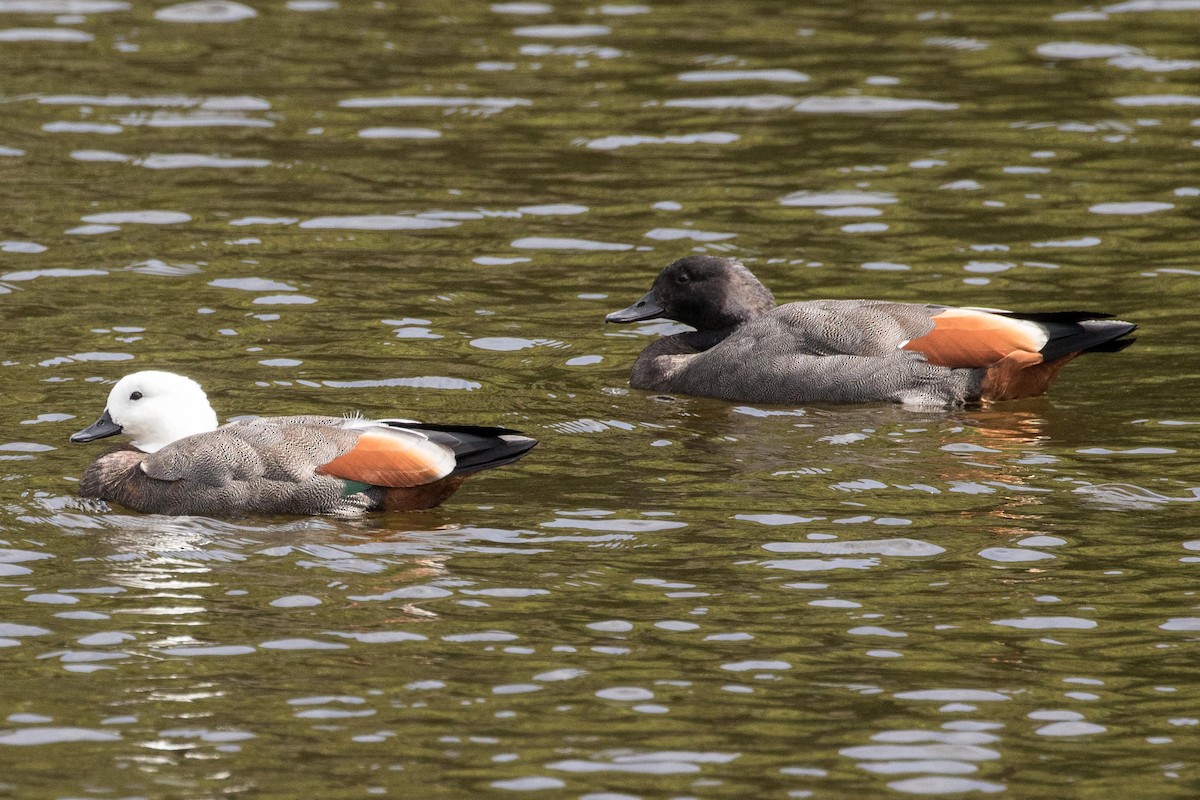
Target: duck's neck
<point x="744" y="299"/>
<point x="658" y="364"/>
<point x="155" y="438"/>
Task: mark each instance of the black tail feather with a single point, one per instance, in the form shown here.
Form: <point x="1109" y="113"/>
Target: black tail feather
<point x="476" y="447"/>
<point x="1113" y="345"/>
<point x="1056" y="316"/>
<point x="1085" y="336"/>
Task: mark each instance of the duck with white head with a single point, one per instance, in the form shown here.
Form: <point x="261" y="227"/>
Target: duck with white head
<point x="153" y="409"/>
<point x="180" y="460"/>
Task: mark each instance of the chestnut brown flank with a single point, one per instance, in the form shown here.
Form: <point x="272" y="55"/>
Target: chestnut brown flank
<point x="1020" y="375"/>
<point x="418" y="498"/>
<point x="382" y="459"/>
<point x="965" y="337"/>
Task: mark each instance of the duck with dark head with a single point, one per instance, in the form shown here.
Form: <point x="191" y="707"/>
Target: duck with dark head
<point x="747" y="349"/>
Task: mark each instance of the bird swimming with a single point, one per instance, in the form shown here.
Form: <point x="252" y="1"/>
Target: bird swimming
<point x="182" y="461"/>
<point x="746" y="348"/>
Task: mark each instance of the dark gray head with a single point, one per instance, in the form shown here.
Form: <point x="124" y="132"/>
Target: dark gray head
<point x="706" y="292"/>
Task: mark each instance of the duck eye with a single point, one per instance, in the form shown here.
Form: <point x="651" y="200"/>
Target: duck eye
<point x="135" y="396"/>
<point x="683" y="277"/>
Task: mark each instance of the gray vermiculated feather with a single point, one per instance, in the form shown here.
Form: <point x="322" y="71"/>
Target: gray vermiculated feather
<point x="847" y="327"/>
<point x="249" y="466"/>
<point x="836" y="351"/>
<point x="117" y="477"/>
<point x="288" y="448"/>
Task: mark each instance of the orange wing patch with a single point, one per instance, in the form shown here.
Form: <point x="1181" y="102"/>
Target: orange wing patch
<point x="392" y="458"/>
<point x="967" y="337"/>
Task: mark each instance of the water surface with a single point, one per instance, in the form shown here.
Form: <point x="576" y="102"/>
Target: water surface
<point x="408" y="210"/>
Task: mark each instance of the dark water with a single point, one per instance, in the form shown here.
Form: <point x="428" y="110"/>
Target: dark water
<point x="426" y="210"/>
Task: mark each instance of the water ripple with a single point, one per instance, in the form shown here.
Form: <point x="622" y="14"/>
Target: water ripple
<point x="378" y="222"/>
<point x="60" y="35"/>
<point x="25" y="737"/>
<point x="206" y="12"/>
<point x="562" y="31"/>
<point x="811" y="199"/>
<point x="938" y="785"/>
<point x="487" y="104"/>
<point x="720" y="75"/>
<point x="68" y="7"/>
<point x="1139" y="6"/>
<point x="1047" y="623"/>
<point x="762" y="102"/>
<point x="399" y="133"/>
<point x="198" y="161"/>
<point x="138" y="218"/>
<point x="869" y="105"/>
<point x="886" y="547"/>
<point x="558" y="243"/>
<point x="616" y="142"/>
<point x="1144" y="100"/>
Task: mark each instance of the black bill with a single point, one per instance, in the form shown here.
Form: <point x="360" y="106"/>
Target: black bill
<point x="646" y="308"/>
<point x="99" y="429"/>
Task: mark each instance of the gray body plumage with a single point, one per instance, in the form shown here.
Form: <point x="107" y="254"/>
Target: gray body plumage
<point x="261" y="466"/>
<point x="834" y="351"/>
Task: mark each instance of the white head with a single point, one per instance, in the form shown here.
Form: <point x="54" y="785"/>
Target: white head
<point x="153" y="409"/>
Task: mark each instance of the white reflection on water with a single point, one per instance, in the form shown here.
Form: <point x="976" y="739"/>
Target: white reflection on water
<point x="70" y="7"/>
<point x="676" y="234"/>
<point x="562" y="31"/>
<point x="1137" y="6"/>
<point x="528" y="8"/>
<point x="377" y="222"/>
<point x="426" y="382"/>
<point x="560" y="243"/>
<point x="55" y="735"/>
<point x="1047" y="623"/>
<point x="210" y="103"/>
<point x="868" y="105"/>
<point x="82" y="127"/>
<point x="886" y="547"/>
<point x="198" y="161"/>
<point x="53" y="272"/>
<point x="1144" y="100"/>
<point x="852" y="198"/>
<point x="629" y="140"/>
<point x="138" y="218"/>
<point x="772" y="75"/>
<point x="489" y="105"/>
<point x="60" y="35"/>
<point x="206" y="12"/>
<point x="194" y="119"/>
<point x="1084" y="50"/>
<point x="669" y="762"/>
<point x="761" y="102"/>
<point x="574" y="51"/>
<point x="1134" y="207"/>
<point x="399" y="133"/>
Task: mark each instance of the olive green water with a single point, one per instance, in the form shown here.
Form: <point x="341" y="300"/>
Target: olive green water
<point x="425" y="210"/>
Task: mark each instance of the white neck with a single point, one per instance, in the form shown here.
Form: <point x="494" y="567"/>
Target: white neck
<point x="163" y="432"/>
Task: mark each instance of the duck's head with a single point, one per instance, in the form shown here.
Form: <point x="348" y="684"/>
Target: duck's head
<point x="153" y="409"/>
<point x="706" y="292"/>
